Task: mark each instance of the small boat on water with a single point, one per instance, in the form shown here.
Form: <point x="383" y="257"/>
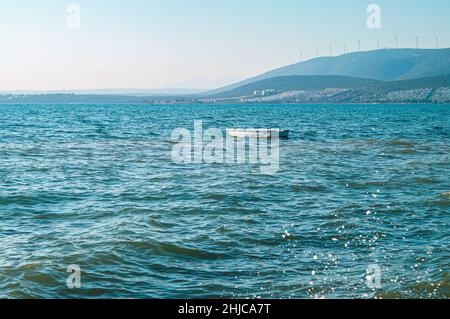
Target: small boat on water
<point x="261" y="133"/>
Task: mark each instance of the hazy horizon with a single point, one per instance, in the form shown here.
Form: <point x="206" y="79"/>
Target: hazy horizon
<point x="153" y="45"/>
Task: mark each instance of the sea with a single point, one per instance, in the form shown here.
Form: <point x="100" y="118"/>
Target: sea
<point x="92" y="204"/>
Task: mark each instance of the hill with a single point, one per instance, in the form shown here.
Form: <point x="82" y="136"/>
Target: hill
<point x="308" y="82"/>
<point x="338" y="89"/>
<point x="382" y="65"/>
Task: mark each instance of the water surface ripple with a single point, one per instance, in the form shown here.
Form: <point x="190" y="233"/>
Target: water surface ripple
<point x="95" y="186"/>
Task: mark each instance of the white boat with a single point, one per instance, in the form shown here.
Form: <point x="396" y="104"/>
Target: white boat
<point x="261" y="133"/>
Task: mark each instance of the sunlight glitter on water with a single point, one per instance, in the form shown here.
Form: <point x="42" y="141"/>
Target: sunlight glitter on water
<point x="95" y="186"/>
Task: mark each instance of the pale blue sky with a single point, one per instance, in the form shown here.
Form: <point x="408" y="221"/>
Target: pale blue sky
<point x="156" y="43"/>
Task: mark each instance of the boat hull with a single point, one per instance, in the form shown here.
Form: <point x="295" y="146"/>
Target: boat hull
<point x="259" y="133"/>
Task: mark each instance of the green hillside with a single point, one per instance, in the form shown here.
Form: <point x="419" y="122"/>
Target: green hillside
<point x="383" y="65"/>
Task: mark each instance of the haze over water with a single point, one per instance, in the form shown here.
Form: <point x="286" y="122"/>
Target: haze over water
<point x="95" y="186"/>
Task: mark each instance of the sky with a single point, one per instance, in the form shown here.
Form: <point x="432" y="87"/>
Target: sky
<point x="151" y="44"/>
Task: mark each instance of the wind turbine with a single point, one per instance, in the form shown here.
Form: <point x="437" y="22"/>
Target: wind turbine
<point x="417" y="41"/>
<point x="378" y="44"/>
<point x="437" y="43"/>
<point x="345" y="48"/>
<point x="359" y="45"/>
<point x="317" y="52"/>
<point x="331" y="50"/>
<point x="301" y="56"/>
<point x="396" y="41"/>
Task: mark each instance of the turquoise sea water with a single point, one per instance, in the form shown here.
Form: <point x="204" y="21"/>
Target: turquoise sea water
<point x="95" y="186"/>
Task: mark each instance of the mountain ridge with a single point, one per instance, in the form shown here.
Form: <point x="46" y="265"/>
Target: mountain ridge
<point x="383" y="65"/>
<point x="388" y="75"/>
<point x="338" y="89"/>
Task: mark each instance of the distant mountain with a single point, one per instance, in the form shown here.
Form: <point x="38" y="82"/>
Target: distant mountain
<point x="201" y="84"/>
<point x="435" y="82"/>
<point x="321" y="82"/>
<point x="337" y="89"/>
<point x="383" y="65"/>
<point x="121" y="92"/>
<point x="287" y="89"/>
<point x="68" y="99"/>
<point x="299" y="82"/>
<point x="393" y="76"/>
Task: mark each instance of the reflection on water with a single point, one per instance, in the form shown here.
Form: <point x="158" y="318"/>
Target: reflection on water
<point x="95" y="186"/>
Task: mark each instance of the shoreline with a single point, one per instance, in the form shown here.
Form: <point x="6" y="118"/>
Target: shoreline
<point x="222" y="103"/>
